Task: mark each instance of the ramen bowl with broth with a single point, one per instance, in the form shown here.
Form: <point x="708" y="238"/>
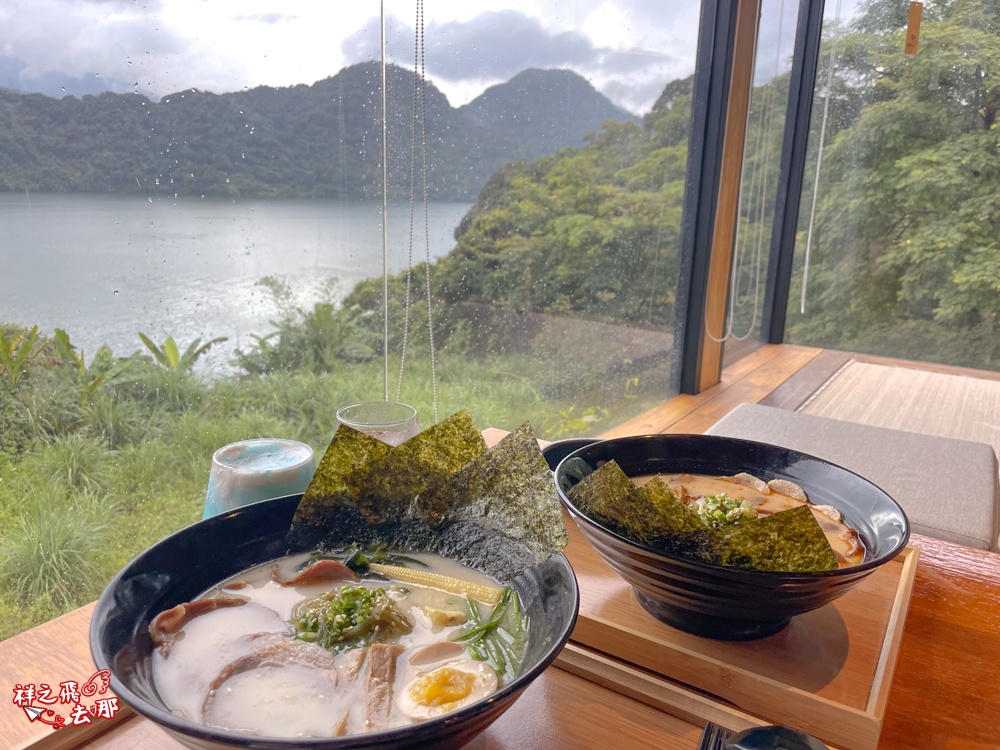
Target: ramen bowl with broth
<point x="405" y="599"/>
<point x="678" y="578"/>
<point x="199" y="558"/>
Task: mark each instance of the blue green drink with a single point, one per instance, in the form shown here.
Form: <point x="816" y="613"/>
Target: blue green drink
<point x="253" y="470"/>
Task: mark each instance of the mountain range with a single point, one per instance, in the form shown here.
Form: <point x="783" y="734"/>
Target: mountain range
<point x="313" y="140"/>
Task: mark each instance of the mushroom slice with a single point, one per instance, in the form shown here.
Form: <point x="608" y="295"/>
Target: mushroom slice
<point x="830" y="512"/>
<point x="749" y="480"/>
<point x="784" y="487"/>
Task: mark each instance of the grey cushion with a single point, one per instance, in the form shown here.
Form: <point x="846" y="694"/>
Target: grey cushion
<point x="947" y="487"/>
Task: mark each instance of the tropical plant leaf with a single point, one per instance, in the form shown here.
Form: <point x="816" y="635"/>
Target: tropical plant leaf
<point x="169" y="355"/>
<point x="196" y="349"/>
<point x="14" y="354"/>
<point x="154" y="349"/>
<point x="172" y="353"/>
<point x="67" y="351"/>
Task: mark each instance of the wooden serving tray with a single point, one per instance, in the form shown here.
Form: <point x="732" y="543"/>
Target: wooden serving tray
<point x="827" y="674"/>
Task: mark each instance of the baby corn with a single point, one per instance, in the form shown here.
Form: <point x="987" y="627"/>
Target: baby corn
<point x="482" y="592"/>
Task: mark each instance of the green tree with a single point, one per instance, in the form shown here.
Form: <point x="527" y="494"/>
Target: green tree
<point x="909" y="209"/>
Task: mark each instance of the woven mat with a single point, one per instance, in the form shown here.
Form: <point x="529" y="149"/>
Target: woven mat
<point x="901" y="398"/>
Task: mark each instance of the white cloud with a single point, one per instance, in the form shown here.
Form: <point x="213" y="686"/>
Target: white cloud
<point x="629" y="49"/>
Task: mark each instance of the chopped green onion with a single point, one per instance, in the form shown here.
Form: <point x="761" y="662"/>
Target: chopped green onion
<point x="722" y="510"/>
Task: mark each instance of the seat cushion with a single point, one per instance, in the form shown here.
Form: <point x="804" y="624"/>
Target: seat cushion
<point x="948" y="488"/>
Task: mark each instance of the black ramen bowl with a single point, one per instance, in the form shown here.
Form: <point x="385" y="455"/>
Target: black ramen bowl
<point x="728" y="603"/>
<point x="184" y="565"/>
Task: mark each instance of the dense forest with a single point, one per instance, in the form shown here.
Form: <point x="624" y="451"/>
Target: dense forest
<point x="302" y="141"/>
<point x="900" y="257"/>
<point x="905" y="257"/>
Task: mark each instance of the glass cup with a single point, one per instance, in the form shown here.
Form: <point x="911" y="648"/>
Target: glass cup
<point x="253" y="470"/>
<point x="389" y="421"/>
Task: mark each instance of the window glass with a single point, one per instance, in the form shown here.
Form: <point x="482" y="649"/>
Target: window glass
<point x="897" y="252"/>
<point x="193" y="253"/>
<point x="759" y="179"/>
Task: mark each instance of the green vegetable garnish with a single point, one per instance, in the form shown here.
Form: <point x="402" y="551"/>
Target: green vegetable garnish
<point x="349" y="617"/>
<point x="499" y="640"/>
<point x="722" y="510"/>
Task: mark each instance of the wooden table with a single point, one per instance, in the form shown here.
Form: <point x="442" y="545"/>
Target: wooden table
<point x="945" y="694"/>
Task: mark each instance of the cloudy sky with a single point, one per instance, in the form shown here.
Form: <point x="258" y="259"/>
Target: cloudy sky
<point x="628" y="49"/>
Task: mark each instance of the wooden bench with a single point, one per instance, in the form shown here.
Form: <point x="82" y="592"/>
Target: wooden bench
<point x="948" y="488"/>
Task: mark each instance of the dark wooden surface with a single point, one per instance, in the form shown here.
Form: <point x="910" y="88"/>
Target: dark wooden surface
<point x="946" y="692"/>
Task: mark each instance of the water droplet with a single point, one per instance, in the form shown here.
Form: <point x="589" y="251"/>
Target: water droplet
<point x="116" y="292"/>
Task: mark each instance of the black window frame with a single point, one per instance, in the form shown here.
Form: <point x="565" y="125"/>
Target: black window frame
<point x="709" y="113"/>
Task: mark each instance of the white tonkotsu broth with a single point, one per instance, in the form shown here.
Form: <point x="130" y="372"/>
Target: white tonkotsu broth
<point x="326" y="696"/>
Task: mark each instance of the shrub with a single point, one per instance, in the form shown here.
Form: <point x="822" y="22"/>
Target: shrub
<point x="78" y="462"/>
<point x="41" y="410"/>
<point x="50" y="553"/>
<point x="17" y="616"/>
<point x="317" y="340"/>
<point x="162" y="388"/>
<point x="115" y="421"/>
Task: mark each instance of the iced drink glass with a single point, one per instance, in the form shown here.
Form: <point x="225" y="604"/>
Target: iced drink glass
<point x="389" y="421"/>
<point x="253" y="470"/>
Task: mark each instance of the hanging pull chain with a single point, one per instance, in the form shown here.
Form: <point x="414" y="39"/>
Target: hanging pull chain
<point x="385" y="215"/>
<point x="419" y="119"/>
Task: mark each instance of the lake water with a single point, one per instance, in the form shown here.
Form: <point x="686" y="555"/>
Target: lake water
<point x="104" y="267"/>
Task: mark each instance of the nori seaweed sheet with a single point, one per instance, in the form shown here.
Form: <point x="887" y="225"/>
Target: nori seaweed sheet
<point x="385" y="486"/>
<point x="348" y="449"/>
<point x="611" y="498"/>
<point x="495" y="510"/>
<point x="789" y="541"/>
<point x="675" y="515"/>
<point x="505" y="492"/>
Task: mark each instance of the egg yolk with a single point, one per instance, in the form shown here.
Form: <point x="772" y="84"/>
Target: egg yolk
<point x="442" y="686"/>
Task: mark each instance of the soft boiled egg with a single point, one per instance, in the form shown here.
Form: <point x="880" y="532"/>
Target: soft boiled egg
<point x="446" y="688"/>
